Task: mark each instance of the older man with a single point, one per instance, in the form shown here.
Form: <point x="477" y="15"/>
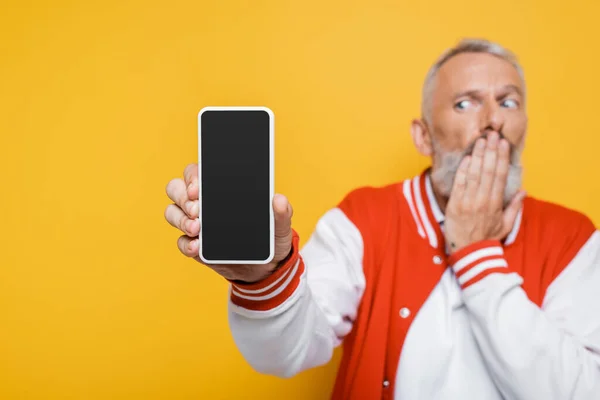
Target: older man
<point x="449" y="285"/>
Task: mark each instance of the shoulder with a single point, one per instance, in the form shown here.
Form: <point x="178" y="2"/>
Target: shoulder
<point x="370" y="197"/>
<point x="561" y="232"/>
<point x="556" y="219"/>
<point x="371" y="206"/>
<point x="568" y="243"/>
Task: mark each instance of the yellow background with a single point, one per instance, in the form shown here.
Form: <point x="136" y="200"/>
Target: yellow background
<point x="98" y="105"/>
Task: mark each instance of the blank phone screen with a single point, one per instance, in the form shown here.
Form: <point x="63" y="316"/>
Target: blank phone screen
<point x="235" y="185"/>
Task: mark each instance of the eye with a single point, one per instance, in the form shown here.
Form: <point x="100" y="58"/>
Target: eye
<point x="463" y="104"/>
<point x="510" y="103"/>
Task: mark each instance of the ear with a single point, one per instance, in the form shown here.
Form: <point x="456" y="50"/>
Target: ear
<point x="421" y="137"/>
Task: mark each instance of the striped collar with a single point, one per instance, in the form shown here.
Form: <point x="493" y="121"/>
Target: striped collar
<point x="427" y="214"/>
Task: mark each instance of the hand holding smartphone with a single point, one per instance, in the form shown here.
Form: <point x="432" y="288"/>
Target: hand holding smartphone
<point x="238" y="211"/>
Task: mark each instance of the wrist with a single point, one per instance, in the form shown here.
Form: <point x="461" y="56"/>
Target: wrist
<point x="478" y="260"/>
<point x="278" y="264"/>
<point x="457" y="245"/>
<point x="255" y="274"/>
<point x="279" y="283"/>
<point x="469" y="248"/>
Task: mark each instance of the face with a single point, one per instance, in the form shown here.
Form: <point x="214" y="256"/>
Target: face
<point x="473" y="95"/>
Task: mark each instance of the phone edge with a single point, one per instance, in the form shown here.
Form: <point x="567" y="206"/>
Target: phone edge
<point x="271" y="182"/>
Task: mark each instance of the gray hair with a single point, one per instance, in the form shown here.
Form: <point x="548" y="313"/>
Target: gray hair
<point x="465" y="46"/>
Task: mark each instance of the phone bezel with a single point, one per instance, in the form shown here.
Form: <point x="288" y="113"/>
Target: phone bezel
<point x="271" y="182"/>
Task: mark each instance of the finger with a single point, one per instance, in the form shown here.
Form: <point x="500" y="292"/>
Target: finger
<point x="190" y="173"/>
<point x="193" y="190"/>
<point x="460" y="180"/>
<point x="188" y="246"/>
<point x="501" y="175"/>
<point x="488" y="169"/>
<point x="474" y="171"/>
<point x="282" y="210"/>
<point x="177" y="192"/>
<point x="191" y="180"/>
<point x="178" y="219"/>
<point x="510" y="214"/>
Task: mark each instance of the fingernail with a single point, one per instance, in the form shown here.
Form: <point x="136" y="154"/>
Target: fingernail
<point x="188" y="225"/>
<point x="188" y="206"/>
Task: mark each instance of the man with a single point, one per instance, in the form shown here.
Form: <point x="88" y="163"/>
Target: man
<point x="449" y="285"/>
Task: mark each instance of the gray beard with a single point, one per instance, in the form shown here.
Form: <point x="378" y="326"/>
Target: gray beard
<point x="447" y="164"/>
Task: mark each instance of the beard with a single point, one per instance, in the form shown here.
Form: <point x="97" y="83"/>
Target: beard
<point x="447" y="163"/>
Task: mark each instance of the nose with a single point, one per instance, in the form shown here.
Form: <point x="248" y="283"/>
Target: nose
<point x="492" y="119"/>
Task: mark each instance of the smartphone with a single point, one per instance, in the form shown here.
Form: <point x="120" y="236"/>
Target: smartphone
<point x="236" y="179"/>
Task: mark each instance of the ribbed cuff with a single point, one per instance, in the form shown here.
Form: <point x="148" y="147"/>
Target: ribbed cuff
<point x="478" y="260"/>
<point x="273" y="290"/>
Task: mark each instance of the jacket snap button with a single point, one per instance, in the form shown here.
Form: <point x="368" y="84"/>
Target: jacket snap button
<point x="386" y="383"/>
<point x="437" y="260"/>
<point x="404" y="312"/>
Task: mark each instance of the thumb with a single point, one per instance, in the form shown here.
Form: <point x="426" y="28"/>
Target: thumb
<point x="282" y="210"/>
<point x="511" y="212"/>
